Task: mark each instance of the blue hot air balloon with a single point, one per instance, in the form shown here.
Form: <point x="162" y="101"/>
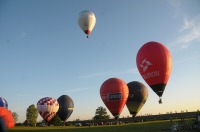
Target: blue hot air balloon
<point x="3" y="103"/>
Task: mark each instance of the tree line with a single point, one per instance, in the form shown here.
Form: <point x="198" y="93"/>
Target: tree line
<point x="32" y="115"/>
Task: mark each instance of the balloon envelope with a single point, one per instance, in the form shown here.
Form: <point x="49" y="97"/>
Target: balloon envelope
<point x="47" y="108"/>
<point x="7" y="117"/>
<point x="154" y="63"/>
<point x="138" y="95"/>
<point x="3" y="103"/>
<point x="2" y="125"/>
<point x="86" y="21"/>
<point x="66" y="107"/>
<point x="114" y="93"/>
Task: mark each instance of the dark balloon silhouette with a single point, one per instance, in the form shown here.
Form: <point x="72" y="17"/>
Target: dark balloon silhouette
<point x="154" y="63"/>
<point x="114" y="93"/>
<point x="138" y="95"/>
<point x="66" y="107"/>
<point x="2" y="125"/>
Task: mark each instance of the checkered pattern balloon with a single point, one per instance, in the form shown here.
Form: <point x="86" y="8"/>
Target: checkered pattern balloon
<point x="47" y="107"/>
<point x="3" y="103"/>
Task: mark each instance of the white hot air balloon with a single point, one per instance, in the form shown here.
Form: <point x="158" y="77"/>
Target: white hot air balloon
<point x="86" y="21"/>
<point x="47" y="107"/>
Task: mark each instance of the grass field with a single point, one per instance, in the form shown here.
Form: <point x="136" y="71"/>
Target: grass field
<point x="153" y="126"/>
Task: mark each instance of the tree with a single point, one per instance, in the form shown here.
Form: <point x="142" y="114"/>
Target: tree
<point x="15" y="116"/>
<point x="31" y="115"/>
<point x="26" y="123"/>
<point x="56" y="121"/>
<point x="101" y="113"/>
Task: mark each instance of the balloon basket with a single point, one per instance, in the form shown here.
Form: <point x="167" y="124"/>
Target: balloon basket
<point x="160" y="101"/>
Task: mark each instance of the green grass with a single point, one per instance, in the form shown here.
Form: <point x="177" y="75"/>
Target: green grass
<point x="153" y="126"/>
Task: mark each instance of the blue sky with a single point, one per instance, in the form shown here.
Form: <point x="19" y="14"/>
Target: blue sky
<point x="43" y="52"/>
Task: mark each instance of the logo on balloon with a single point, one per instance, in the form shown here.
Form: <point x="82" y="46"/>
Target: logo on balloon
<point x="145" y="64"/>
<point x="131" y="96"/>
<point x="115" y="96"/>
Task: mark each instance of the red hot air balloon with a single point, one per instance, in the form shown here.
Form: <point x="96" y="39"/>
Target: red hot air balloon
<point x="114" y="93"/>
<point x="154" y="63"/>
<point x="7" y="117"/>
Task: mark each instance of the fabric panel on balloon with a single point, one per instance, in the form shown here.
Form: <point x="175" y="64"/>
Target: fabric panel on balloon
<point x="134" y="107"/>
<point x="158" y="89"/>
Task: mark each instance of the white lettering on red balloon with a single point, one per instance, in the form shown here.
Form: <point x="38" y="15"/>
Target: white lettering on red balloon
<point x="151" y="75"/>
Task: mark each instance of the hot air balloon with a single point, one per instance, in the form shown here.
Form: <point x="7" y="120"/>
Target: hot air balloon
<point x="66" y="107"/>
<point x="154" y="63"/>
<point x="138" y="95"/>
<point x="2" y="125"/>
<point x="3" y="103"/>
<point x="114" y="93"/>
<point x="7" y="117"/>
<point x="47" y="107"/>
<point x="86" y="21"/>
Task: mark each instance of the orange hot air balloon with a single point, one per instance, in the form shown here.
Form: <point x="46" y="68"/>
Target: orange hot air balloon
<point x="114" y="93"/>
<point x="154" y="63"/>
<point x="7" y="117"/>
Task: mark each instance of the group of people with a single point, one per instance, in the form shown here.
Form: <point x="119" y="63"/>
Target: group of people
<point x="197" y="123"/>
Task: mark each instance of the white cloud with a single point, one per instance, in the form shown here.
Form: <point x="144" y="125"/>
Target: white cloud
<point x="76" y="90"/>
<point x="26" y="95"/>
<point x="189" y="32"/>
<point x="186" y="60"/>
<point x="130" y="71"/>
<point x="93" y="75"/>
<point x="176" y="4"/>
